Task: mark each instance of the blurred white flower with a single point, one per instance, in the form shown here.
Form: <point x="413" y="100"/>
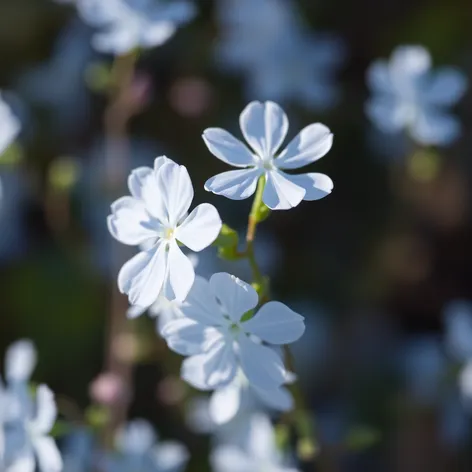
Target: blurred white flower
<point x="265" y="126"/>
<point x="157" y="211"/>
<point x="409" y="96"/>
<point x="58" y="84"/>
<point x="9" y="126"/>
<point x="282" y="61"/>
<point x="219" y="340"/>
<point x="138" y="449"/>
<point x="458" y="322"/>
<point x="128" y="24"/>
<point x="259" y="454"/>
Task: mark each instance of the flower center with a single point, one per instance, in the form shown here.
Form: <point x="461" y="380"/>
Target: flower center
<point x="234" y="329"/>
<point x="168" y="233"/>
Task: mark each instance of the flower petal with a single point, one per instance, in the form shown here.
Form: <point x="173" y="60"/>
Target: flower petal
<point x="47" y="453"/>
<point x="262" y="366"/>
<point x="136" y="180"/>
<point x="200" y="228"/>
<point x="276" y="323"/>
<point x="135" y="438"/>
<point x="261" y="439"/>
<point x="437" y="128"/>
<point x="236" y="297"/>
<point x="225" y="403"/>
<point x="142" y="277"/>
<point x="387" y="114"/>
<point x="234" y="184"/>
<point x="316" y="185"/>
<point x="311" y="144"/>
<point x="227" y="148"/>
<point x="134" y="311"/>
<point x="264" y="125"/>
<point x="213" y="369"/>
<point x="130" y="223"/>
<point x="170" y="456"/>
<point x="187" y="337"/>
<point x="181" y="272"/>
<point x="445" y="87"/>
<point x="409" y="63"/>
<point x="278" y="398"/>
<point x="280" y="193"/>
<point x="378" y="77"/>
<point x="46" y="410"/>
<point x="228" y="458"/>
<point x="177" y="191"/>
<point x="201" y="305"/>
<point x="20" y="361"/>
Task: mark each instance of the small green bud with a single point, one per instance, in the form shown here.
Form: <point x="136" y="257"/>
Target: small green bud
<point x="360" y="438"/>
<point x="228" y="253"/>
<point x="306" y="449"/>
<point x="98" y="76"/>
<point x="262" y="212"/>
<point x="97" y="416"/>
<point x="228" y="238"/>
<point x="63" y="173"/>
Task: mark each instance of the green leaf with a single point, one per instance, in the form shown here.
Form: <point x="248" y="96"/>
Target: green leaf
<point x="361" y="437"/>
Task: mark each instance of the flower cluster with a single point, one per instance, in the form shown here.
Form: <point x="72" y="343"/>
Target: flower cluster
<point x="229" y="334"/>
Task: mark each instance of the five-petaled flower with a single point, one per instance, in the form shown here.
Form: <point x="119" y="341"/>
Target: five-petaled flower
<point x="129" y="24"/>
<point x="409" y="96"/>
<point x="218" y="337"/>
<point x="265" y="126"/>
<point x="156" y="213"/>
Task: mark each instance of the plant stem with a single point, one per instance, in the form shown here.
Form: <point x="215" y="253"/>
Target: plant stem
<point x="298" y="417"/>
<point x="117" y="116"/>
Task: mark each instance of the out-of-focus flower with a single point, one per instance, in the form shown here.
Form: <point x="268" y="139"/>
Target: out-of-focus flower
<point x="9" y="126"/>
<point x="58" y="85"/>
<point x="220" y="340"/>
<point x="458" y="321"/>
<point x="138" y="449"/>
<point x="128" y="24"/>
<point x="108" y="389"/>
<point x="260" y="452"/>
<point x="27" y="421"/>
<point x="78" y="451"/>
<point x="265" y="126"/>
<point x="157" y="211"/>
<point x="282" y="61"/>
<point x="408" y="95"/>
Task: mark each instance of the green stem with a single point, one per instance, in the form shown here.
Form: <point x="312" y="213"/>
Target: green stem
<point x="307" y="442"/>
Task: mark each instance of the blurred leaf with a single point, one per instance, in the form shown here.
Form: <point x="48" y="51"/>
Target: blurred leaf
<point x="360" y="438"/>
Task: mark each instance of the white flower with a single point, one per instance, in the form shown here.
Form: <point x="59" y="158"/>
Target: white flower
<point x="408" y="95"/>
<point x="259" y="454"/>
<point x="9" y="126"/>
<point x="156" y="212"/>
<point x="138" y="450"/>
<point x="265" y="127"/>
<point x="219" y="340"/>
<point x="27" y="440"/>
<point x="129" y="24"/>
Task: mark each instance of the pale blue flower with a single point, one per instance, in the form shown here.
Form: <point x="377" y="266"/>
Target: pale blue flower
<point x="27" y="420"/>
<point x="9" y="126"/>
<point x="58" y="84"/>
<point x="157" y="213"/>
<point x="219" y="340"/>
<point x="260" y="452"/>
<point x="79" y="451"/>
<point x="128" y="24"/>
<point x="265" y="127"/>
<point x="138" y="450"/>
<point x="458" y="322"/>
<point x="280" y="59"/>
<point x="408" y="96"/>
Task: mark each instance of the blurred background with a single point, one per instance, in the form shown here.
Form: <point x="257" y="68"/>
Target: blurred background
<point x="374" y="267"/>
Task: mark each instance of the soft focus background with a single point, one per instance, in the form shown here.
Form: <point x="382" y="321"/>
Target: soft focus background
<point x="373" y="267"/>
